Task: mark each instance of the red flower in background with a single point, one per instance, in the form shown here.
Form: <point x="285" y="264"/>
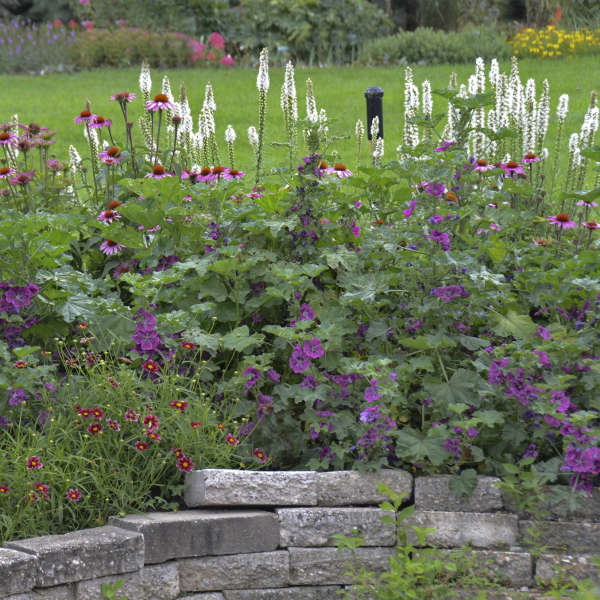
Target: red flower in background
<point x="217" y="41"/>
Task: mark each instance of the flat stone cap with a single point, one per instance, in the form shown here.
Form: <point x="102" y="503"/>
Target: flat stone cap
<point x="73" y="556"/>
<point x="17" y="572"/>
<point x="231" y="487"/>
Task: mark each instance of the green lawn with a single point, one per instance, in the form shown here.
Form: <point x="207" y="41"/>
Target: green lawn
<point x="54" y="100"/>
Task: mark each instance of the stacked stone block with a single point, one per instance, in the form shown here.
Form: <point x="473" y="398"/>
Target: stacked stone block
<point x="270" y="536"/>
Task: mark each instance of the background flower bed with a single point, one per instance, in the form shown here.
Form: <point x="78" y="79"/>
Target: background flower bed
<point x="431" y="314"/>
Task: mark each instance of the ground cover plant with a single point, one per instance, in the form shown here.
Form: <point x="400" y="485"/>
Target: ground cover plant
<point x="435" y="309"/>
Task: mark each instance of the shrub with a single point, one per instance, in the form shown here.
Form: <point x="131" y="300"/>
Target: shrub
<point x="552" y="42"/>
<point x="309" y="30"/>
<point x="426" y="46"/>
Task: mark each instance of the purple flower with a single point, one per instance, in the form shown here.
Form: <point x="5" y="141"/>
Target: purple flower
<point x="544" y="333"/>
<point x="472" y="432"/>
<point x="409" y="211"/>
<point x="17" y="396"/>
<point x="552" y="421"/>
<point x="564" y="402"/>
<point x="544" y="360"/>
<point x="309" y="381"/>
<point x="273" y="375"/>
<point x="496" y="374"/>
<point x="448" y="293"/>
<point x="313" y="349"/>
<point x="306" y="312"/>
<point x="443" y="147"/>
<point x="370" y="414"/>
<point x="441" y="237"/>
<point x="299" y="361"/>
<point x="531" y="451"/>
<point x="453" y="447"/>
<point x="254" y="375"/>
<point x="355" y="229"/>
<point x="372" y="392"/>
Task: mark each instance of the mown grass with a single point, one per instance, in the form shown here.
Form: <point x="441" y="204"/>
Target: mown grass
<point x="54" y="100"/>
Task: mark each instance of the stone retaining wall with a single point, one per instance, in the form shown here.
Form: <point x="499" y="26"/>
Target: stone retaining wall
<point x="269" y="536"/>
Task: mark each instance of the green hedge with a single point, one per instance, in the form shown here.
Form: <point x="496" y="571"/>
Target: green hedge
<point x="426" y="46"/>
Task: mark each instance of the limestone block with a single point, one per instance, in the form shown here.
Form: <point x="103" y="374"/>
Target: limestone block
<point x="567" y="536"/>
<point x="17" y="572"/>
<point x="290" y="593"/>
<point x="83" y="554"/>
<point x="234" y="572"/>
<point x="230" y="487"/>
<point x="59" y="592"/>
<point x="325" y="566"/>
<point x="581" y="567"/>
<point x="207" y="596"/>
<point x="317" y="526"/>
<point x="202" y="532"/>
<point x="157" y="582"/>
<point x="433" y="493"/>
<point x="454" y="529"/>
<point x="342" y="488"/>
<point x="508" y="568"/>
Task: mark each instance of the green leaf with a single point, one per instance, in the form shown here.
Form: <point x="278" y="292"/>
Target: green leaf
<point x="463" y="387"/>
<point x="472" y="343"/>
<point x="513" y="324"/>
<point x="497" y="252"/>
<point x="205" y="340"/>
<point x="240" y="339"/>
<point x="464" y="484"/>
<point x="141" y="214"/>
<point x="77" y="306"/>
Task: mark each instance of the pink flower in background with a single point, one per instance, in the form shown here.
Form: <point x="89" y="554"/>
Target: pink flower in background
<point x="563" y="221"/>
<point x="123" y="97"/>
<point x="160" y="102"/>
<point x="211" y="56"/>
<point x="217" y="41"/>
<point x="86" y="2"/>
<point x="74" y="495"/>
<point x="228" y="61"/>
<point x="109" y="247"/>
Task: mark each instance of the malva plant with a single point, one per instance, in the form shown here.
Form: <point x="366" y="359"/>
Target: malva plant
<point x="437" y="312"/>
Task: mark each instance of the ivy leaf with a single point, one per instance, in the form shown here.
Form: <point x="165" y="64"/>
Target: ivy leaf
<point x="464" y="484"/>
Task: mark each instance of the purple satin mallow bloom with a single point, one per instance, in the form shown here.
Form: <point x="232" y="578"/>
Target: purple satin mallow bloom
<point x="441" y="237"/>
<point x="309" y="382"/>
<point x="253" y="375"/>
<point x="306" y="313"/>
<point x="17" y="396"/>
<point x="372" y="392"/>
<point x="299" y="361"/>
<point x="273" y="375"/>
<point x="531" y="451"/>
<point x="355" y="229"/>
<point x="370" y="414"/>
<point x="313" y="349"/>
<point x="544" y="333"/>
<point x="472" y="432"/>
<point x="443" y="147"/>
<point x="448" y="293"/>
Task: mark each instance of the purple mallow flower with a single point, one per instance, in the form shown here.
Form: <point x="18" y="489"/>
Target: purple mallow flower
<point x="299" y="361"/>
<point x="370" y="414"/>
<point x="448" y="293"/>
<point x="313" y="349"/>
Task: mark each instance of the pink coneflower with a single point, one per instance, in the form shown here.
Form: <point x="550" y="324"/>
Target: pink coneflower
<point x="73" y="495"/>
<point x="340" y="170"/>
<point x="6" y="137"/>
<point x="158" y="172"/>
<point x="512" y="167"/>
<point x="541" y="242"/>
<point x="219" y="172"/>
<point x="6" y="172"/>
<point x="108" y="216"/>
<point x="184" y="464"/>
<point x="591" y="225"/>
<point x="109" y="247"/>
<point x="85" y="116"/>
<point x="123" y="97"/>
<point x="563" y="221"/>
<point x="111" y="156"/>
<point x="23" y="178"/>
<point x="99" y="122"/>
<point x="160" y="102"/>
<point x="529" y="158"/>
<point x="482" y="166"/>
<point x="33" y="462"/>
<point x="586" y="203"/>
<point x="234" y="174"/>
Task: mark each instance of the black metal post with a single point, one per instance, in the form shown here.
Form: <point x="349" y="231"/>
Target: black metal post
<point x="374" y="96"/>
